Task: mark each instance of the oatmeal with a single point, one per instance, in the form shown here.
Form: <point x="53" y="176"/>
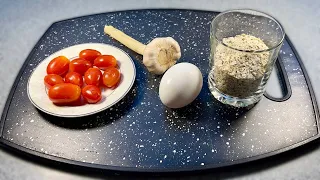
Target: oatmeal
<point x="236" y="72"/>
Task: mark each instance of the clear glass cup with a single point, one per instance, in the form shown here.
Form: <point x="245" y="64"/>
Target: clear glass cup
<point x="241" y="66"/>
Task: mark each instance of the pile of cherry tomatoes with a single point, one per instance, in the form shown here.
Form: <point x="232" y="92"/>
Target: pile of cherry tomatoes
<point x="67" y="81"/>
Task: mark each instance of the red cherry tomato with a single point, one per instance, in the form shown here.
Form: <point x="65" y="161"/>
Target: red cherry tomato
<point x="93" y="76"/>
<point x="111" y="77"/>
<point x="91" y="93"/>
<point x="79" y="65"/>
<point x="105" y="61"/>
<point x="89" y="54"/>
<point x="58" y="65"/>
<point x="52" y="79"/>
<point x="64" y="93"/>
<point x="74" y="78"/>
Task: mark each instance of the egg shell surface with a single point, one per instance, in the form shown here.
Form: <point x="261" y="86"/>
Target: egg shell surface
<point x="180" y="85"/>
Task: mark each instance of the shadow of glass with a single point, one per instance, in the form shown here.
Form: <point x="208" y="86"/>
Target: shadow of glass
<point x="184" y="118"/>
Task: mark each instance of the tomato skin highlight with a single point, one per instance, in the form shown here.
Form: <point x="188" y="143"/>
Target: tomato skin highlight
<point x="74" y="78"/>
<point x="64" y="93"/>
<point x="89" y="54"/>
<point x="52" y="79"/>
<point x="58" y="65"/>
<point x="79" y="65"/>
<point x="105" y="61"/>
<point x="91" y="94"/>
<point x="111" y="77"/>
<point x="93" y="76"/>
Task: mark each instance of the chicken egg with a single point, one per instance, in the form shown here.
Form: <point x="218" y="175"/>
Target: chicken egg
<point x="180" y="85"/>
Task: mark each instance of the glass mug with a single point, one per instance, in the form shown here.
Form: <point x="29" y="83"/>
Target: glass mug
<point x="244" y="45"/>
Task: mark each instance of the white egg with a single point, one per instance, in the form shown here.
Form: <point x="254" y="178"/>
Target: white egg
<point x="180" y="85"/>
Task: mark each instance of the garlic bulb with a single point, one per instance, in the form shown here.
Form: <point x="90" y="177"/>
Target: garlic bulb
<point x="158" y="56"/>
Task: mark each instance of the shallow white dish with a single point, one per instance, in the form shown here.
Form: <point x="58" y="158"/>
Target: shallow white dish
<point x="39" y="98"/>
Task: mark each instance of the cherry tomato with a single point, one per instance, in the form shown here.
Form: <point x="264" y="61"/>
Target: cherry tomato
<point x="79" y="65"/>
<point x="91" y="93"/>
<point x="52" y="79"/>
<point x="105" y="61"/>
<point x="64" y="93"/>
<point x="93" y="76"/>
<point x="89" y="54"/>
<point x="58" y="65"/>
<point x="111" y="77"/>
<point x="74" y="78"/>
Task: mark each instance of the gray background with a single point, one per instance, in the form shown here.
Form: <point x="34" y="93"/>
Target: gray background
<point x="23" y="22"/>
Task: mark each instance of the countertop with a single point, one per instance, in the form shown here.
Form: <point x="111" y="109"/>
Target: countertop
<point x="24" y="22"/>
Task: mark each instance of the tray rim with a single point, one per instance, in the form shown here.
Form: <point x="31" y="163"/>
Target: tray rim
<point x="27" y="151"/>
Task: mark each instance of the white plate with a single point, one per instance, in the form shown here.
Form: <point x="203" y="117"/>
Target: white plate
<point x="39" y="98"/>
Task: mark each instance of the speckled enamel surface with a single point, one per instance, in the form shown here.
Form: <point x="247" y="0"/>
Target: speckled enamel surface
<point x="139" y="132"/>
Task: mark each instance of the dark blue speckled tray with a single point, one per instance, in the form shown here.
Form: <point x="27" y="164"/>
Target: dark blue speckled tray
<point x="139" y="133"/>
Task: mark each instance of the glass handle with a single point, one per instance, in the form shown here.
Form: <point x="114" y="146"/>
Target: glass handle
<point x="284" y="80"/>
